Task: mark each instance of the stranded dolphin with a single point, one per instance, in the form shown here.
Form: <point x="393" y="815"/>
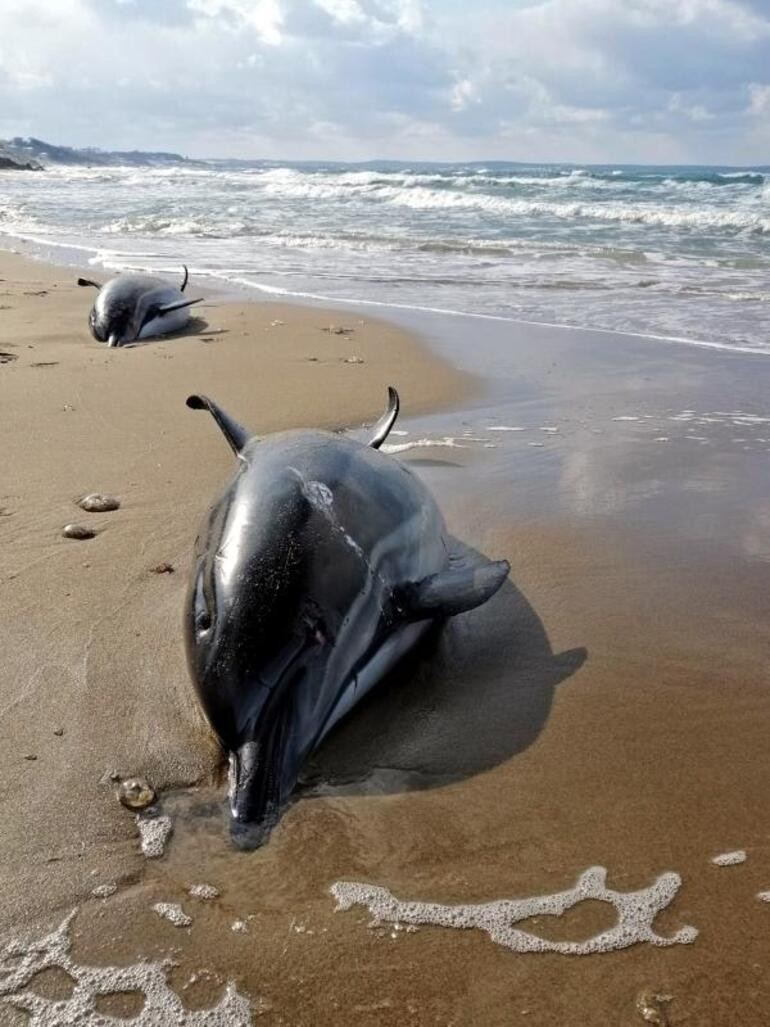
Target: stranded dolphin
<point x="319" y="566"/>
<point x="131" y="307"/>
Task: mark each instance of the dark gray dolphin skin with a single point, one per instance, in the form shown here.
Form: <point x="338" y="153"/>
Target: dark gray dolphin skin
<point x="131" y="307"/>
<point x="319" y="566"/>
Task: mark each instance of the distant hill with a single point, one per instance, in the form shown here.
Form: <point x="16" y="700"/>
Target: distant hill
<point x="31" y="151"/>
<point x="12" y="160"/>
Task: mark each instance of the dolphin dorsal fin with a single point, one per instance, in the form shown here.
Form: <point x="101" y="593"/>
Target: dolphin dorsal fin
<point x="386" y="422"/>
<point x="235" y="434"/>
<point x="184" y="280"/>
<point x="87" y="281"/>
<point x="451" y="591"/>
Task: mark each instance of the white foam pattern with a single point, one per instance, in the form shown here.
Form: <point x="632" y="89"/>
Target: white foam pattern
<point x="153" y="833"/>
<point x="20" y="962"/>
<point x="636" y="913"/>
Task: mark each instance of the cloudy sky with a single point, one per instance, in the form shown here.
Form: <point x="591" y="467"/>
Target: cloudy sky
<point x="575" y="80"/>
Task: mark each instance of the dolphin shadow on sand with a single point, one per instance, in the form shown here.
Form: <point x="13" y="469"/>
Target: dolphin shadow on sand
<point x="475" y="693"/>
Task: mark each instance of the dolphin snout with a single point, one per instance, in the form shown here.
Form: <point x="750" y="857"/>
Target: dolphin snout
<point x="262" y="774"/>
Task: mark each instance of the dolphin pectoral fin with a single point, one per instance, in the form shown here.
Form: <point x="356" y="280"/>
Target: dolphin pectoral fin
<point x="451" y="591"/>
<point x="168" y="307"/>
<point x="236" y="435"/>
<point x="184" y="280"/>
<point x="386" y="422"/>
<point x="87" y="281"/>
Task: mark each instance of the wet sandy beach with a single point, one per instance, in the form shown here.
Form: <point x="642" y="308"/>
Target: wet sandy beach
<point x="608" y="708"/>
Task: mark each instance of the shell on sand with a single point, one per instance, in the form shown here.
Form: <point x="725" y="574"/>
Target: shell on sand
<point x="136" y="793"/>
<point x="97" y="502"/>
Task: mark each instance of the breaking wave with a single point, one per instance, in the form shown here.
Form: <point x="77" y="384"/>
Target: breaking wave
<point x="658" y="251"/>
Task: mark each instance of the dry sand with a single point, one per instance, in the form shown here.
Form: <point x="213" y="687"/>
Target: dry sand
<point x="610" y="706"/>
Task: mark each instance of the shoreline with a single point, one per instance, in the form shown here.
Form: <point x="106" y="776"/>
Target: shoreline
<point x="608" y="708"/>
<point x="232" y="289"/>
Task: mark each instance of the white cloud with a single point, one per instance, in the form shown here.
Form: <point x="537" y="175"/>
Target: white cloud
<point x="597" y="80"/>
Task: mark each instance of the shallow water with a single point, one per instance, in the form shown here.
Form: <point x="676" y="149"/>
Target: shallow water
<point x="671" y="251"/>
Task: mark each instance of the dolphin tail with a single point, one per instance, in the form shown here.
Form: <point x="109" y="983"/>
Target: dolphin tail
<point x="177" y="305"/>
<point x="87" y="281"/>
<point x="184" y="280"/>
<point x="452" y="591"/>
<point x="386" y="422"/>
<point x="235" y="434"/>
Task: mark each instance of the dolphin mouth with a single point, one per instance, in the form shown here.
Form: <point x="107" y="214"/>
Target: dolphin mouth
<point x="263" y="772"/>
<point x="114" y="340"/>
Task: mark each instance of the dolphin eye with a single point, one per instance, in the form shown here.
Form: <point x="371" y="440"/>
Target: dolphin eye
<point x="203" y="620"/>
<point x="317" y="631"/>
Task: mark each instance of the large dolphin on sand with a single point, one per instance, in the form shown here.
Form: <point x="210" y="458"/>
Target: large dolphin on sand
<point x="131" y="307"/>
<point x="319" y="566"/>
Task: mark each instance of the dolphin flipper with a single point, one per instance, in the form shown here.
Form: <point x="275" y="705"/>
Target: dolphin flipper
<point x="235" y="434"/>
<point x="176" y="305"/>
<point x="452" y="591"/>
<point x="386" y="422"/>
<point x="87" y="281"/>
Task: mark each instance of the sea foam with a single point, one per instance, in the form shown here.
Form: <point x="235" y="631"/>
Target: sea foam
<point x="636" y="913"/>
<point x="21" y="961"/>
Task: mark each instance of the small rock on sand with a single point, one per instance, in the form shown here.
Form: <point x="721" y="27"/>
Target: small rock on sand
<point x="652" y="1007"/>
<point x="136" y="793"/>
<point x="98" y="502"/>
<point x="78" y="531"/>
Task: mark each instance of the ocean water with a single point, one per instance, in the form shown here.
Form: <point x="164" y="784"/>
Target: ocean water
<point x="674" y="252"/>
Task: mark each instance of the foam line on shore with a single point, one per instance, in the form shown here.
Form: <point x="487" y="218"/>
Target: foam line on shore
<point x="236" y="278"/>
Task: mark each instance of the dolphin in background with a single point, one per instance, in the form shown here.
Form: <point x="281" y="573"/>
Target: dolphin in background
<point x="131" y="307"/>
<point x="322" y="563"/>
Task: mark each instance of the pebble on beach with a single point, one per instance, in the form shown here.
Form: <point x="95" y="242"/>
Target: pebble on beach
<point x="97" y="502"/>
<point x="77" y="531"/>
<point x="652" y="1007"/>
<point x="136" y="793"/>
